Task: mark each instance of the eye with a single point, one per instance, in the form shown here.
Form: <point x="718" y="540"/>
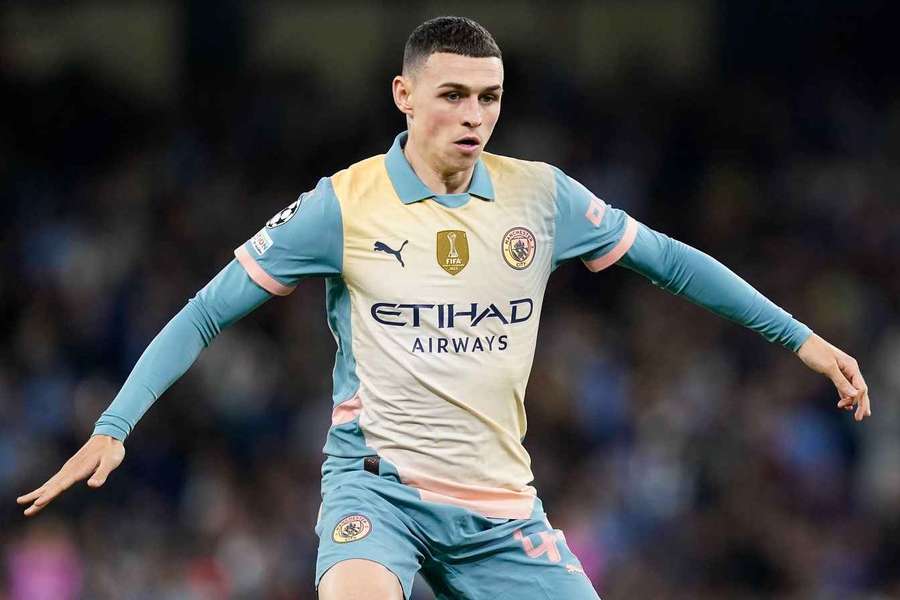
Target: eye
<point x="488" y="98"/>
<point x="452" y="96"/>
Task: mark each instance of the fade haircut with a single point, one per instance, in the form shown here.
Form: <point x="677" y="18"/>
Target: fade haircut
<point x="454" y="35"/>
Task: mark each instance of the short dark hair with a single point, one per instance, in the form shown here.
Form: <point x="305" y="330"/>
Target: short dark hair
<point x="455" y="35"/>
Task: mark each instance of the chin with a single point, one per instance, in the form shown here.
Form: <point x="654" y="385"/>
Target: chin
<point x="466" y="163"/>
<point x="466" y="160"/>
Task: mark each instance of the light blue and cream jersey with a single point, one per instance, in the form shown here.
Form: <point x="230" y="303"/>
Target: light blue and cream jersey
<point x="435" y="301"/>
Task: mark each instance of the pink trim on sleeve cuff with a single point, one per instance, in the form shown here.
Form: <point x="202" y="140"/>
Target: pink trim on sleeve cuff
<point x="610" y="258"/>
<point x="257" y="274"/>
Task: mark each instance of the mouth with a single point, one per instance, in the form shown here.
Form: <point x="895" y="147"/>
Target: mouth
<point x="469" y="143"/>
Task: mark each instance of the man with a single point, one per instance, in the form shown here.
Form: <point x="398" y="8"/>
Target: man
<point x="436" y="256"/>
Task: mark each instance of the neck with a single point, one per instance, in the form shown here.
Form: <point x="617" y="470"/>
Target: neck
<point x="437" y="180"/>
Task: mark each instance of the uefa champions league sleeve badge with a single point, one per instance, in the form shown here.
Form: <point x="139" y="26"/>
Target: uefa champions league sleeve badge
<point x="283" y="216"/>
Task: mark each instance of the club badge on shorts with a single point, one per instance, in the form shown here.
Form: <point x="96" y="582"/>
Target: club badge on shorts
<point x="351" y="529"/>
<point x="518" y="248"/>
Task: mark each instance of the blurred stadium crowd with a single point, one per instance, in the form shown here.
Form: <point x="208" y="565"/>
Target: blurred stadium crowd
<point x="683" y="456"/>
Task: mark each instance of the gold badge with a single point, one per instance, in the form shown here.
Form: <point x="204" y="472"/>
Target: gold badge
<point x="350" y="529"/>
<point x="452" y="251"/>
<point x="518" y="248"/>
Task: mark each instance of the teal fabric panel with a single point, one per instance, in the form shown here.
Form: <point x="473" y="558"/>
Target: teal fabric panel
<point x="576" y="234"/>
<point x="305" y="239"/>
<point x="228" y="297"/>
<point x="686" y="271"/>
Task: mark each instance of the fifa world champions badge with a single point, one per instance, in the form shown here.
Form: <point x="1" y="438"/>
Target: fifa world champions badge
<point x="351" y="529"/>
<point x="452" y="251"/>
<point x="518" y="248"/>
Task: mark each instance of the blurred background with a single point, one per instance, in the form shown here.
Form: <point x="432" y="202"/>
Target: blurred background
<point x="683" y="456"/>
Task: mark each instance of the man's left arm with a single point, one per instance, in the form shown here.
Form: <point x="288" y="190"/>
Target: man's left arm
<point x="600" y="235"/>
<point x="688" y="272"/>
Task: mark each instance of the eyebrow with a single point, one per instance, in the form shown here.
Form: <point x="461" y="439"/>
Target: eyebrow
<point x="465" y="88"/>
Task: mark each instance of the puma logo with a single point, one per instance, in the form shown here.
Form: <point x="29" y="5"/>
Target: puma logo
<point x="382" y="247"/>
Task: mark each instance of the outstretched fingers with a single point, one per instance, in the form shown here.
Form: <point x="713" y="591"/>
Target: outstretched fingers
<point x="72" y="471"/>
<point x="40" y="497"/>
<point x="25" y="499"/>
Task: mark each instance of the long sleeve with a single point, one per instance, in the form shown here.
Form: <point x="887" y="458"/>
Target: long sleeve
<point x="688" y="272"/>
<point x="224" y="300"/>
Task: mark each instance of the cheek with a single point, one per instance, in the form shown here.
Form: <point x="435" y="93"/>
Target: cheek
<point x="438" y="118"/>
<point x="491" y="116"/>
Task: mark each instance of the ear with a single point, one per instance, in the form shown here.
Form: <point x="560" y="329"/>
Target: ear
<point x="402" y="89"/>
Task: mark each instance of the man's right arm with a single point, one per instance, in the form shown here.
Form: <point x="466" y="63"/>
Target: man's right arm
<point x="303" y="240"/>
<point x="224" y="300"/>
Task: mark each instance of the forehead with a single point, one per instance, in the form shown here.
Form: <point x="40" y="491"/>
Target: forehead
<point x="470" y="71"/>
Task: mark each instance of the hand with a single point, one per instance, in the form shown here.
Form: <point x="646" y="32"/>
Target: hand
<point x="843" y="371"/>
<point x="97" y="458"/>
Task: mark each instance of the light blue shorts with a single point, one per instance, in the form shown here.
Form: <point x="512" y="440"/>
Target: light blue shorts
<point x="460" y="554"/>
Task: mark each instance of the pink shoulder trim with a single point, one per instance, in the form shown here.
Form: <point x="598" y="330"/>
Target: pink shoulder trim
<point x="257" y="274"/>
<point x="610" y="258"/>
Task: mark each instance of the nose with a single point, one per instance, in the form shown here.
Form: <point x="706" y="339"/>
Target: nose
<point x="472" y="115"/>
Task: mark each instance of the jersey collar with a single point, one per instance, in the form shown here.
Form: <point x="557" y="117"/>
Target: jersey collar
<point x="411" y="189"/>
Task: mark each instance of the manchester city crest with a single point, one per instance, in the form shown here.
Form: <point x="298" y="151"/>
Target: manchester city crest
<point x="350" y="529"/>
<point x="518" y="248"/>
